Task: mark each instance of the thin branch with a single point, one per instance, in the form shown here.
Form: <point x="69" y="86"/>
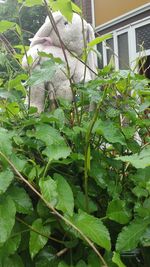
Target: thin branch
<point x="90" y="243"/>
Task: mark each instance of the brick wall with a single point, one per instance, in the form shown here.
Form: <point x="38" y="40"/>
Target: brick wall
<point x="86" y="9"/>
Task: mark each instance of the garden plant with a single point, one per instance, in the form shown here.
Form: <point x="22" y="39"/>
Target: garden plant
<point x="74" y="182"/>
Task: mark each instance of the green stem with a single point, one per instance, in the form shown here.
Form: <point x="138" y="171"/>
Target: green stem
<point x="87" y="148"/>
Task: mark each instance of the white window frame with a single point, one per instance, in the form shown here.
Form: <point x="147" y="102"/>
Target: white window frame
<point x="133" y="55"/>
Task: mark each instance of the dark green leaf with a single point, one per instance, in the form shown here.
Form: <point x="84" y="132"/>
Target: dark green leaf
<point x="39" y="238"/>
<point x="21" y="199"/>
<point x="110" y="132"/>
<point x="7" y="218"/>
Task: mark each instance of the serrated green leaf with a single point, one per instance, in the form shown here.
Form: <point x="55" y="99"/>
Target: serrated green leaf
<point x="65" y="195"/>
<point x="18" y="162"/>
<point x="116" y="211"/>
<point x="21" y="199"/>
<point x="57" y="151"/>
<point x="110" y="132"/>
<point x="37" y="240"/>
<point x="7" y="218"/>
<point x="6" y="178"/>
<point x="93" y="228"/>
<point x="6" y="25"/>
<point x="129" y="237"/>
<point x="141" y="160"/>
<point x="5" y="141"/>
<point x="140" y="192"/>
<point x="11" y="245"/>
<point x="48" y="134"/>
<point x="13" y="261"/>
<point x="49" y="190"/>
<point x="116" y="259"/>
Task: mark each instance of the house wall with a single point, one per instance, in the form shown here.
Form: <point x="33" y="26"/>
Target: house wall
<point x="87" y="9"/>
<point x="108" y="10"/>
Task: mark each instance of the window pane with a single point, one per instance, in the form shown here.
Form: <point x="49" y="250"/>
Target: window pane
<point x="110" y="49"/>
<point x="143" y="37"/>
<point x="123" y="51"/>
<point x="100" y="57"/>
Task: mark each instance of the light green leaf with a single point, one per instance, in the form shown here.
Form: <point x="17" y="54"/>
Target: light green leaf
<point x="116" y="211"/>
<point x="30" y="3"/>
<point x="21" y="199"/>
<point x="7" y="218"/>
<point x="49" y="190"/>
<point x="75" y="8"/>
<point x="129" y="237"/>
<point x="48" y="135"/>
<point x="18" y="162"/>
<point x="100" y="39"/>
<point x="93" y="228"/>
<point x="6" y="178"/>
<point x="65" y="7"/>
<point x="141" y="160"/>
<point x="6" y="25"/>
<point x="65" y="195"/>
<point x="45" y="73"/>
<point x="116" y="259"/>
<point x="37" y="240"/>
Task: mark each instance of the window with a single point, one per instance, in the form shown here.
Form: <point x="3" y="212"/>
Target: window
<point x="100" y="56"/>
<point x="123" y="51"/>
<point x="143" y="37"/>
<point x="127" y="45"/>
<point x="110" y="49"/>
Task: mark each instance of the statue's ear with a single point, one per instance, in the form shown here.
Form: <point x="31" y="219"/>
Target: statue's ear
<point x="46" y="28"/>
<point x="92" y="57"/>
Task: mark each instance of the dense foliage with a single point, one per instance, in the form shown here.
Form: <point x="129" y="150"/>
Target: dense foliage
<point x="74" y="183"/>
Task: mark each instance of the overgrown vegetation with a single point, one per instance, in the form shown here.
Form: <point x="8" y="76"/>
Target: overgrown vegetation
<point x="74" y="184"/>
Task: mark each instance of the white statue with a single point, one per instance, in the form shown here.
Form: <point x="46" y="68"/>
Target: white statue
<point x="46" y="40"/>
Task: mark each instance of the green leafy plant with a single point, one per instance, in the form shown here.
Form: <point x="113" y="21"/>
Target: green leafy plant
<point x="74" y="183"/>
